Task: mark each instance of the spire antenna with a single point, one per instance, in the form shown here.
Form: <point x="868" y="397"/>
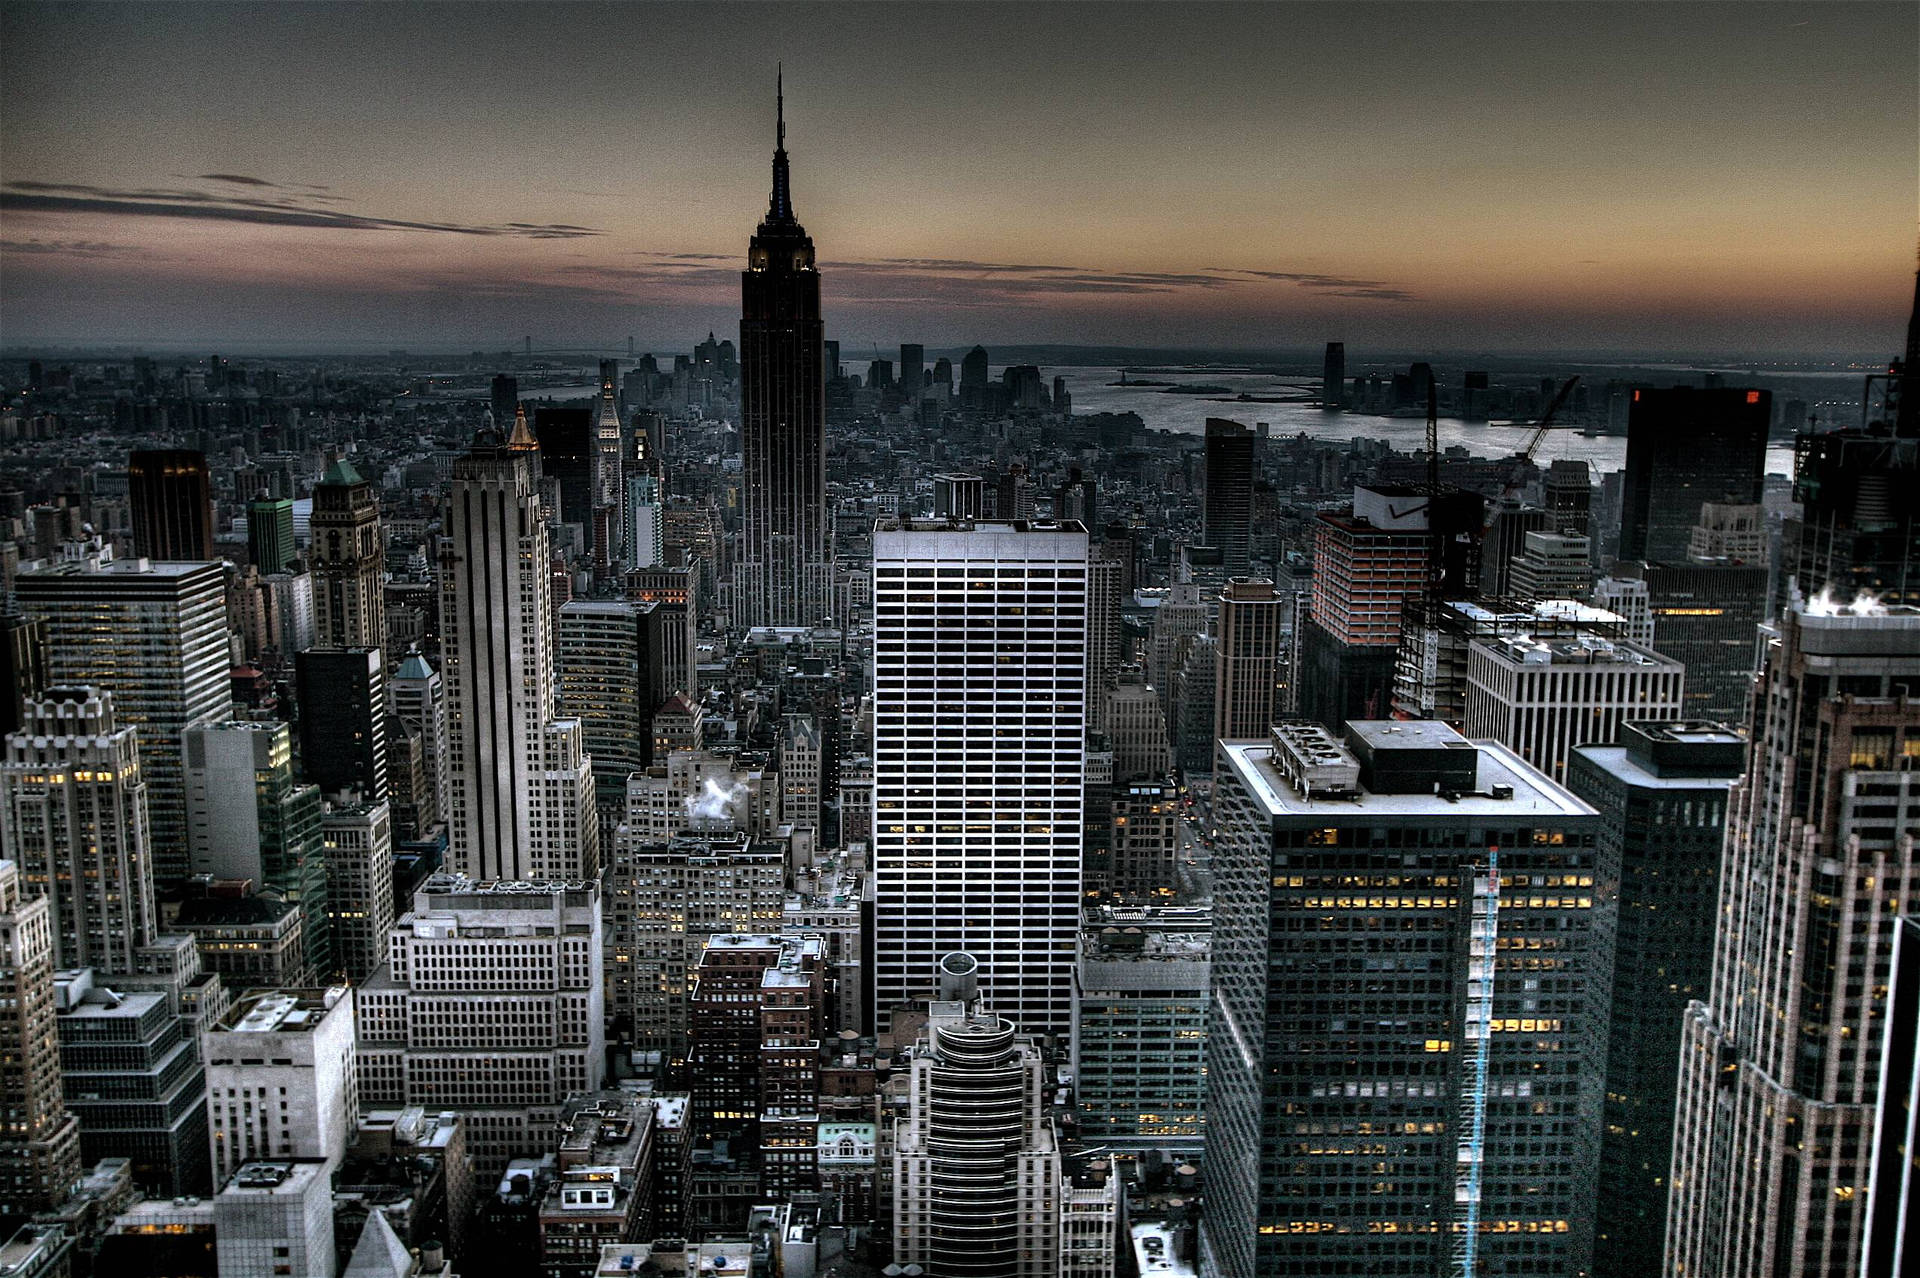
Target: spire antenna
<point x="780" y="105"/>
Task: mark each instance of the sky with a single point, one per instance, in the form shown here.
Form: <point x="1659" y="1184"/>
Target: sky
<point x="1702" y="177"/>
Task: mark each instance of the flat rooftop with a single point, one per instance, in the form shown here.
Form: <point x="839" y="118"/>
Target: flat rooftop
<point x="1534" y="795"/>
<point x="280" y="1012"/>
<point x="1153" y="1253"/>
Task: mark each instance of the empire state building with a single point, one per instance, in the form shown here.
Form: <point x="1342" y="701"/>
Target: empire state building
<point x="784" y="574"/>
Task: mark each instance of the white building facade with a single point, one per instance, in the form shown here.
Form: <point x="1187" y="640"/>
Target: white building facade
<point x="979" y="759"/>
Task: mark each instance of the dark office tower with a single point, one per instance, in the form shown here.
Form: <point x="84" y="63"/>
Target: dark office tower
<point x="567" y="455"/>
<point x="348" y="560"/>
<point x="342" y="695"/>
<point x="1780" y="1068"/>
<point x="973" y="380"/>
<point x="943" y="375"/>
<point x="783" y="574"/>
<point x="1907" y="385"/>
<point x="913" y="369"/>
<point x="270" y="533"/>
<point x="1662" y="796"/>
<point x="1333" y="376"/>
<point x="1229" y="508"/>
<point x="1859" y="525"/>
<point x="1077" y="499"/>
<point x="1569" y="497"/>
<point x="506" y="399"/>
<point x="23" y="667"/>
<point x="880" y="375"/>
<point x="172" y="501"/>
<point x="1408" y="1010"/>
<point x="1687" y="447"/>
<point x="1894" y="1216"/>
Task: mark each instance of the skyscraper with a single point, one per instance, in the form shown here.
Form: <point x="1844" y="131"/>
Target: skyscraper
<point x="1662" y="796"/>
<point x="783" y="575"/>
<point x="1247" y="657"/>
<point x="419" y="702"/>
<point x="913" y="371"/>
<point x="608" y="479"/>
<point x="979" y="732"/>
<point x="348" y="559"/>
<point x="342" y="693"/>
<point x="73" y="804"/>
<point x="1858" y="529"/>
<point x="608" y="674"/>
<point x="521" y="786"/>
<point x="1780" y="1067"/>
<point x="358" y="838"/>
<point x="976" y="1165"/>
<point x="1408" y="998"/>
<point x="248" y="818"/>
<point x="1333" y="376"/>
<point x="40" y="1141"/>
<point x="171" y="496"/>
<point x="270" y="533"/>
<point x="155" y="636"/>
<point x="1686" y="447"/>
<point x="1229" y="504"/>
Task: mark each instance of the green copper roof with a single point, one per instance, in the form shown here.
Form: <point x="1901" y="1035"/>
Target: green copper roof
<point x="340" y="471"/>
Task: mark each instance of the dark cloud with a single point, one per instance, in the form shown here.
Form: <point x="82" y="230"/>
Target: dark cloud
<point x="292" y="210"/>
<point x="68" y="248"/>
<point x="1336" y="285"/>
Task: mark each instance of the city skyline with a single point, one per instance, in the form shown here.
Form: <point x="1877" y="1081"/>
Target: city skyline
<point x="1600" y="177"/>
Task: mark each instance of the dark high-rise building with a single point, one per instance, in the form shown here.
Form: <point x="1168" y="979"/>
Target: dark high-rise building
<point x="1687" y="447"/>
<point x="342" y="696"/>
<point x="1408" y="1008"/>
<point x="783" y="574"/>
<point x="567" y="454"/>
<point x="171" y="497"/>
<point x="1662" y="796"/>
<point x="973" y="380"/>
<point x="1859" y="525"/>
<point x="505" y="399"/>
<point x="913" y="369"/>
<point x="270" y="533"/>
<point x="1229" y="507"/>
<point x="1569" y="497"/>
<point x="1333" y="376"/>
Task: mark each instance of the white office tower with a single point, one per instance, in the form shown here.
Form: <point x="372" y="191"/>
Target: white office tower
<point x="521" y="785"/>
<point x="646" y="520"/>
<point x="419" y="700"/>
<point x="491" y="1004"/>
<point x="73" y="810"/>
<point x="1628" y="599"/>
<point x="358" y="839"/>
<point x="1542" y="697"/>
<point x="977" y="1181"/>
<point x="280" y="1079"/>
<point x="1780" y="1070"/>
<point x="979" y="759"/>
<point x="155" y="635"/>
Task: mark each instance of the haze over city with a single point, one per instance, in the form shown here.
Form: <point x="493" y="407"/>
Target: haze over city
<point x="1731" y="178"/>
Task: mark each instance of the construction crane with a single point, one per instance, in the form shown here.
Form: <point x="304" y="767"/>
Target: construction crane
<point x="1524" y="458"/>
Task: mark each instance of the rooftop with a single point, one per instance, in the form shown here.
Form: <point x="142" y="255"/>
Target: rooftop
<point x="265" y="1179"/>
<point x="1521" y="790"/>
<point x="280" y="1011"/>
